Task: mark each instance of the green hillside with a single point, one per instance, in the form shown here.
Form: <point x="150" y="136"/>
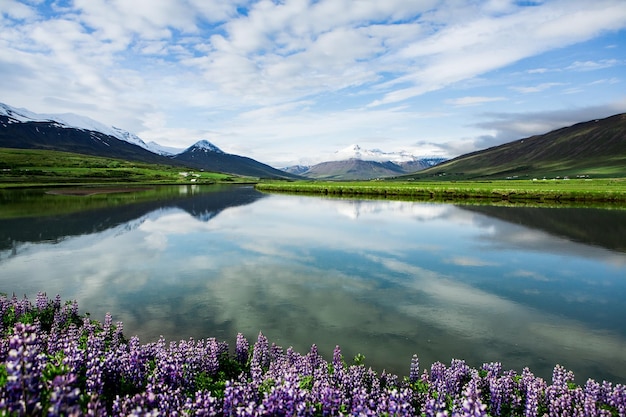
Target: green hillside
<point x="596" y="149"/>
<point x="28" y="167"/>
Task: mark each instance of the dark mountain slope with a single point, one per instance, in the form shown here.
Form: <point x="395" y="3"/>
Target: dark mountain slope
<point x="204" y="155"/>
<point x="52" y="136"/>
<point x="353" y="169"/>
<point x="596" y="148"/>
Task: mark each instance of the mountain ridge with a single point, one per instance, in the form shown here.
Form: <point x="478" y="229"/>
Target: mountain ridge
<point x="592" y="148"/>
<point x="356" y="163"/>
<point x="23" y="129"/>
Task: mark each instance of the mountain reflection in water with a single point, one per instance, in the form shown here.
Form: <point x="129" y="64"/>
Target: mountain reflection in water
<point x="383" y="278"/>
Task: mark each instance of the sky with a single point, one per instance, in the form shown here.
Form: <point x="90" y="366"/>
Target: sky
<point x="293" y="81"/>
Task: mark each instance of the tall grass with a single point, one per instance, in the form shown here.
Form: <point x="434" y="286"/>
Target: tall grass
<point x="549" y="190"/>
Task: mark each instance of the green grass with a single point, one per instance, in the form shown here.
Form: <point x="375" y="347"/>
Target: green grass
<point x="27" y="168"/>
<point x="597" y="190"/>
<point x="20" y="168"/>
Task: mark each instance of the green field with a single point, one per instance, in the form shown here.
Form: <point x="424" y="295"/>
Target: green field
<point x="28" y="168"/>
<point x="21" y="167"/>
<point x="580" y="190"/>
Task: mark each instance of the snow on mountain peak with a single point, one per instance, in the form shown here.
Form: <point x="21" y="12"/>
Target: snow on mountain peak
<point x="356" y="152"/>
<point x="206" y="146"/>
<point x="72" y="121"/>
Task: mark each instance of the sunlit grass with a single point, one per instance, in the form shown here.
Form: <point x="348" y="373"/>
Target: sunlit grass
<point x="606" y="190"/>
<point x="21" y="168"/>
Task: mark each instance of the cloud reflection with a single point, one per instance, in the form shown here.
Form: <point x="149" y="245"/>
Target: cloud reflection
<point x="389" y="280"/>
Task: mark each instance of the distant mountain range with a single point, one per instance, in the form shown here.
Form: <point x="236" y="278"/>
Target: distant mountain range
<point x="596" y="148"/>
<point x="23" y="129"/>
<point x="356" y="163"/>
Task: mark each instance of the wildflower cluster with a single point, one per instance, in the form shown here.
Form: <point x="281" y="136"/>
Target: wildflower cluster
<point x="54" y="362"/>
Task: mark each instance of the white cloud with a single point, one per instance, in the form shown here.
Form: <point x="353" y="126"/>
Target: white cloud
<point x="252" y="72"/>
<point x="469" y="261"/>
<point x="473" y="100"/>
<point x="536" y="88"/>
<point x="593" y="65"/>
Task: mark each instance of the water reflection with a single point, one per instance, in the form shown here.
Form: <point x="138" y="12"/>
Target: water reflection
<point x="382" y="278"/>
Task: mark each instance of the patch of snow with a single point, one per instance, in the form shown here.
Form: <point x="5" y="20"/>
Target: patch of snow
<point x="72" y="121"/>
<point x="206" y="146"/>
<point x="356" y="152"/>
<point x="163" y="150"/>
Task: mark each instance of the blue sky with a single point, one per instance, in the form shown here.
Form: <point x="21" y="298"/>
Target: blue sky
<point x="293" y="81"/>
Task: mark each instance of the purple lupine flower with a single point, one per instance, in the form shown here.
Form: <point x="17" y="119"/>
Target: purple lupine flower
<point x="276" y="353"/>
<point x="117" y="336"/>
<point x="242" y="349"/>
<point x="414" y="374"/>
<point x="23" y="367"/>
<point x="472" y="406"/>
<point x="94" y="351"/>
<point x="239" y="399"/>
<point x="561" y="376"/>
<point x="212" y="357"/>
<point x="202" y="405"/>
<point x="160" y="379"/>
<point x="338" y="367"/>
<point x="388" y="380"/>
<point x="362" y="404"/>
<point x="617" y="399"/>
<point x="435" y="407"/>
<point x="315" y="364"/>
<point x="493" y="369"/>
<point x="286" y="398"/>
<point x="65" y="396"/>
<point x="592" y="393"/>
<point x="534" y="389"/>
<point x="502" y="391"/>
<point x="57" y="302"/>
<point x="330" y="400"/>
<point x="395" y="402"/>
<point x="438" y="376"/>
<point x="261" y="351"/>
<point x="41" y="301"/>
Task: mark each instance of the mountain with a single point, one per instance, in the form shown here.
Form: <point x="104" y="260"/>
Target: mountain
<point x="594" y="148"/>
<point x="23" y="129"/>
<point x="356" y="163"/>
<point x="356" y="152"/>
<point x="204" y="154"/>
<point x="353" y="169"/>
<point x="71" y="120"/>
<point x="296" y="169"/>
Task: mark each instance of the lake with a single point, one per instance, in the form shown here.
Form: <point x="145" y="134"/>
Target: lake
<point x="524" y="286"/>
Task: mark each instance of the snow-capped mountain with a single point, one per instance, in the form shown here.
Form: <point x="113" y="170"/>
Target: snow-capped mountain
<point x="356" y="163"/>
<point x="72" y="121"/>
<point x="204" y="154"/>
<point x="203" y="146"/>
<point x="356" y="152"/>
<point x="163" y="150"/>
<point x="23" y="129"/>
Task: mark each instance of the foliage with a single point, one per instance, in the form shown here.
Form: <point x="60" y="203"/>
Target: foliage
<point x="72" y="365"/>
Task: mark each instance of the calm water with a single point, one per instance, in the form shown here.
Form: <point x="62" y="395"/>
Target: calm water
<point x="524" y="286"/>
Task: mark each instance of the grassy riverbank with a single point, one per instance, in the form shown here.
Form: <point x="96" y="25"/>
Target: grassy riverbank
<point x="599" y="190"/>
